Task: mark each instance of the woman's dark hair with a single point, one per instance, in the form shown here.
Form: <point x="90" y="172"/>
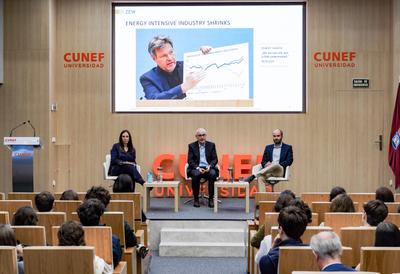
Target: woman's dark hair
<point x="25" y="215"/>
<point x="90" y="212"/>
<point x="130" y="145"/>
<point x="376" y="212"/>
<point x="123" y="183"/>
<point x="44" y="201"/>
<point x="384" y="194"/>
<point x="335" y="191"/>
<point x="342" y="203"/>
<point x="7" y="235"/>
<point x="69" y="195"/>
<point x="71" y="233"/>
<point x="387" y="234"/>
<point x="283" y="200"/>
<point x="303" y="206"/>
<point x="100" y="193"/>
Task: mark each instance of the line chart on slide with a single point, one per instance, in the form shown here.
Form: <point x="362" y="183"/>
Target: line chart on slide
<point x="226" y="73"/>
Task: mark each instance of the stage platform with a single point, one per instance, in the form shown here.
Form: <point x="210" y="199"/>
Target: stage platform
<point x="228" y="209"/>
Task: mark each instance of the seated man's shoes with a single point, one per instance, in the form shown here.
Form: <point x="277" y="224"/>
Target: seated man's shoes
<point x="196" y="203"/>
<point x="210" y="203"/>
<point x="249" y="179"/>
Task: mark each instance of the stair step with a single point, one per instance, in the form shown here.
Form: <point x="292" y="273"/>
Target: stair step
<point x="201" y="249"/>
<point x="203" y="235"/>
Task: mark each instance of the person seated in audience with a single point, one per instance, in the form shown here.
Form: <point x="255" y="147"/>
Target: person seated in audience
<point x="335" y="191"/>
<point x="374" y="212"/>
<point x="104" y="196"/>
<point x="25" y="215"/>
<point x="292" y="224"/>
<point x="89" y="214"/>
<point x="327" y="250"/>
<point x="283" y="201"/>
<point x="266" y="243"/>
<point x="44" y="201"/>
<point x="69" y="195"/>
<point x="71" y="233"/>
<point x="387" y="234"/>
<point x="384" y="194"/>
<point x="7" y="238"/>
<point x="342" y="203"/>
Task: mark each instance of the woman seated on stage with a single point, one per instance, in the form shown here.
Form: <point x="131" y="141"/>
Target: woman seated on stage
<point x="123" y="159"/>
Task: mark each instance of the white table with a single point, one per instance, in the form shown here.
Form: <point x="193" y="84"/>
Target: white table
<point x="165" y="184"/>
<point x="230" y="184"/>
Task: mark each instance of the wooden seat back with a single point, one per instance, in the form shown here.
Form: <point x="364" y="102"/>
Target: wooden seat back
<point x="337" y="220"/>
<point x="132" y="196"/>
<point x="8" y="259"/>
<point x="4" y="217"/>
<point x="392" y="207"/>
<point x="125" y="206"/>
<point x="356" y="237"/>
<point x="11" y="206"/>
<point x="384" y="260"/>
<point x="59" y="259"/>
<point x="30" y="235"/>
<point x="397" y="197"/>
<point x="310" y="197"/>
<point x="23" y="196"/>
<point x="49" y="219"/>
<point x="299" y="258"/>
<point x="393" y="218"/>
<point x="264" y="207"/>
<point x="323" y="207"/>
<point x="361" y="198"/>
<point x="336" y="272"/>
<point x="271" y="219"/>
<point x="2" y="196"/>
<point x="81" y="195"/>
<point x="308" y="233"/>
<point x="116" y="221"/>
<point x="66" y="206"/>
<point x="263" y="196"/>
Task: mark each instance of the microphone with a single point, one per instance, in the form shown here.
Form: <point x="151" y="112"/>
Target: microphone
<point x="34" y="130"/>
<point x="11" y="132"/>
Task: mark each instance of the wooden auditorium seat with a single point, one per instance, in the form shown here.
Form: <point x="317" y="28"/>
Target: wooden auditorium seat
<point x="59" y="259"/>
<point x="323" y="207"/>
<point x="336" y="272"/>
<point x="81" y="195"/>
<point x="393" y="218"/>
<point x="11" y="206"/>
<point x="263" y="196"/>
<point x="49" y="219"/>
<point x="23" y="196"/>
<point x="125" y="206"/>
<point x="271" y="219"/>
<point x="137" y="202"/>
<point x="4" y="217"/>
<point x="264" y="207"/>
<point x="30" y="235"/>
<point x="301" y="258"/>
<point x="392" y="207"/>
<point x="309" y="197"/>
<point x="384" y="260"/>
<point x="397" y="197"/>
<point x="308" y="233"/>
<point x="361" y="198"/>
<point x="2" y="196"/>
<point x="337" y="220"/>
<point x="252" y="267"/>
<point x="8" y="259"/>
<point x="356" y="237"/>
<point x="66" y="206"/>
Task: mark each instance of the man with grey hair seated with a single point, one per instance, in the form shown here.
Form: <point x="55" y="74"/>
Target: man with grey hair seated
<point x="327" y="249"/>
<point x="202" y="163"/>
<point x="165" y="81"/>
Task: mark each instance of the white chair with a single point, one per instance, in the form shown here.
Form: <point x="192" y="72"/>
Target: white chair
<point x="273" y="180"/>
<point x="202" y="186"/>
<point x="106" y="166"/>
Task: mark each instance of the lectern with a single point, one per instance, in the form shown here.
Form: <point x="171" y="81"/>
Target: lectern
<point x="22" y="161"/>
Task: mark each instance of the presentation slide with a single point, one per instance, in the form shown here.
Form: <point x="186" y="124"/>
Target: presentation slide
<point x="208" y="57"/>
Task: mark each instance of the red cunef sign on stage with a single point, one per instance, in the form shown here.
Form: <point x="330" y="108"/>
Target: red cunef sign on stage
<point x="84" y="59"/>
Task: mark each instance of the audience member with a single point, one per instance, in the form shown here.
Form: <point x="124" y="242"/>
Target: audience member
<point x="374" y="212"/>
<point x="124" y="183"/>
<point x="292" y="224"/>
<point x="71" y="233"/>
<point x="44" y="201"/>
<point x="384" y="194"/>
<point x="69" y="195"/>
<point x="387" y="234"/>
<point x="25" y="215"/>
<point x="7" y="238"/>
<point x="327" y="250"/>
<point x="89" y="214"/>
<point x="303" y="206"/>
<point x="342" y="203"/>
<point x="335" y="191"/>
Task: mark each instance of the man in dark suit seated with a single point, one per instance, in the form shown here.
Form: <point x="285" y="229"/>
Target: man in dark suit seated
<point x="327" y="249"/>
<point x="202" y="163"/>
<point x="165" y="81"/>
<point x="276" y="158"/>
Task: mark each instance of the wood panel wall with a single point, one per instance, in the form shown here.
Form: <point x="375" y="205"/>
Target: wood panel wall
<point x="333" y="141"/>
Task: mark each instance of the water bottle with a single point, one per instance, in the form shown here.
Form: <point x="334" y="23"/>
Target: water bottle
<point x="149" y="177"/>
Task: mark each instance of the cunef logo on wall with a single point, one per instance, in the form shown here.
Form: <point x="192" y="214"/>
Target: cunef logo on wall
<point x="334" y="59"/>
<point x="89" y="60"/>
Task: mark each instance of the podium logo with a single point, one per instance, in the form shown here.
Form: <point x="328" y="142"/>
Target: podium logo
<point x="84" y="60"/>
<point x="334" y="59"/>
<point x="10" y="139"/>
<point x="23" y="154"/>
